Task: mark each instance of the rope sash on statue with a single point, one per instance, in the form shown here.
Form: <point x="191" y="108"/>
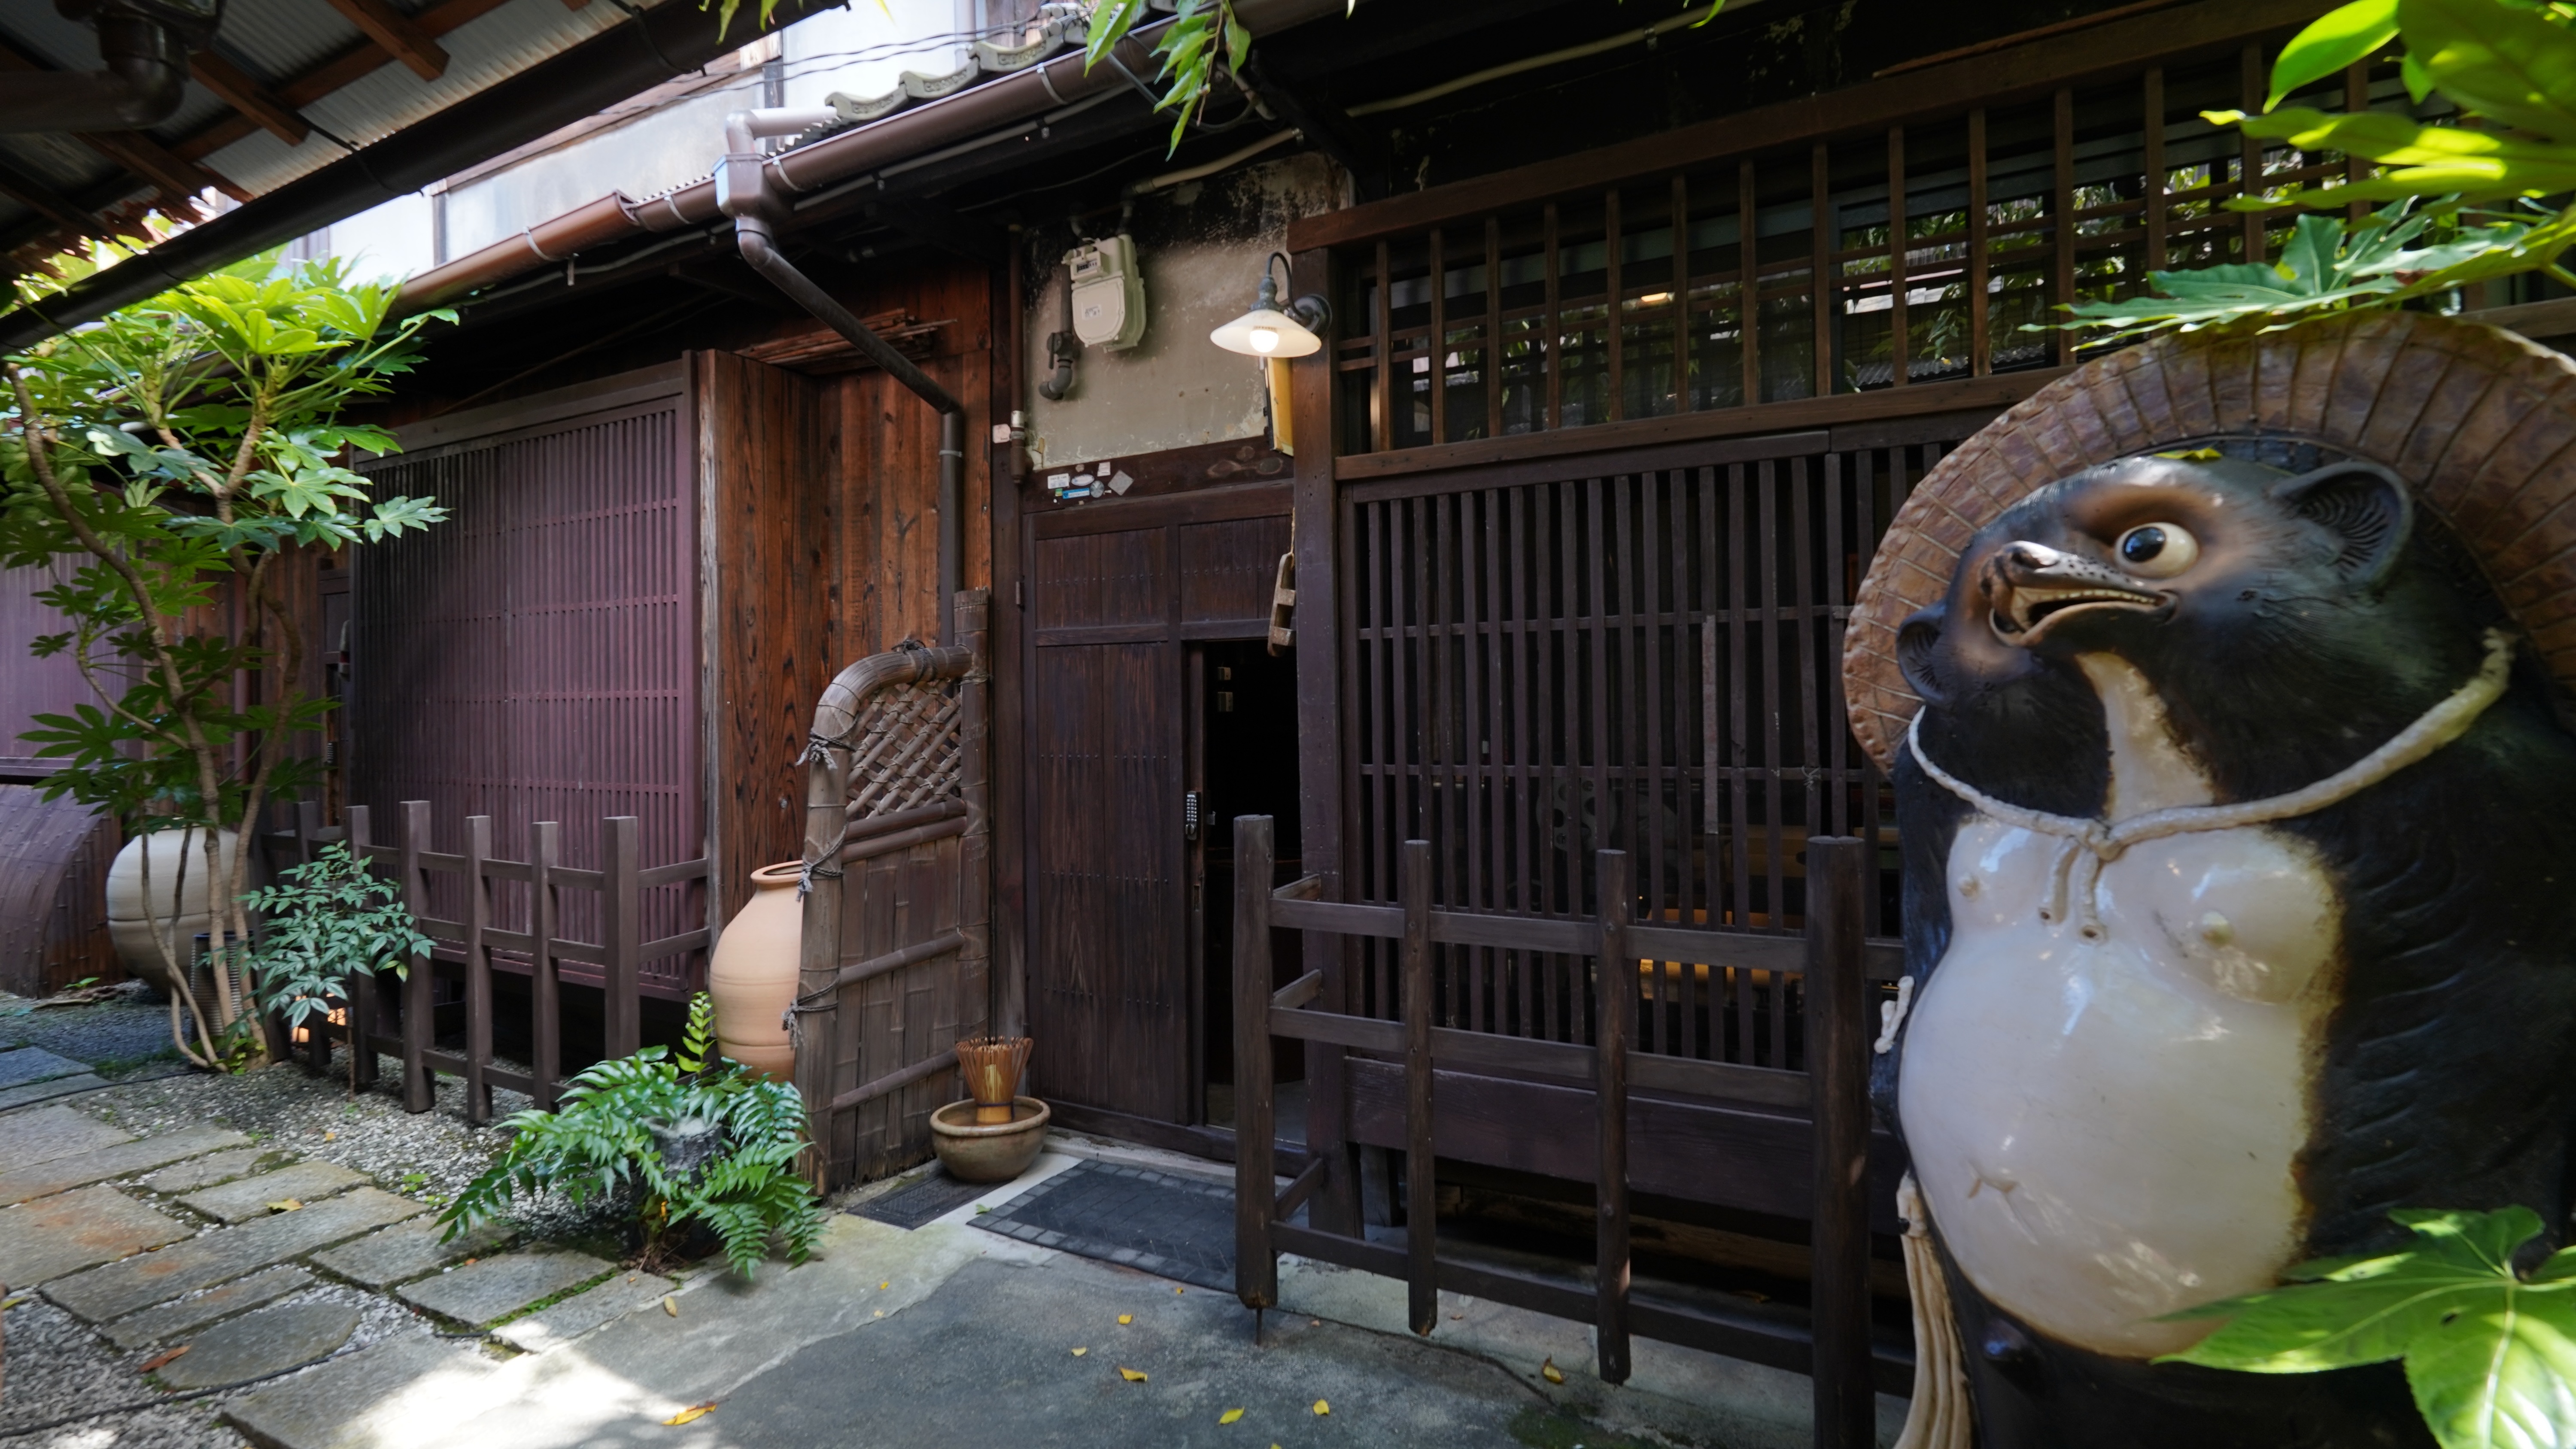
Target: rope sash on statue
<point x="2099" y="842"/>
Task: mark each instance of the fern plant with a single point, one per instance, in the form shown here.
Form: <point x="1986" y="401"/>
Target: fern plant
<point x="627" y="1123"/>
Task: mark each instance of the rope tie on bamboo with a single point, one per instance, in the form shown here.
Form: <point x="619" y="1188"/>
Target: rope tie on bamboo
<point x="2088" y="845"/>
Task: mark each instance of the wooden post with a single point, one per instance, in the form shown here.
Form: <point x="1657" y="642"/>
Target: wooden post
<point x="1256" y="1185"/>
<point x="362" y="987"/>
<point x="1421" y="1194"/>
<point x="621" y="917"/>
<point x="419" y="1015"/>
<point x="545" y="845"/>
<point x="478" y="970"/>
<point x="812" y="1021"/>
<point x="1615" y="1005"/>
<point x="317" y="1033"/>
<point x="1838" y="1063"/>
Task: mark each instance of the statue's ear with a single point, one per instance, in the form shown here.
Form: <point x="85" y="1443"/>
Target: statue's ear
<point x="1918" y="652"/>
<point x="2362" y="504"/>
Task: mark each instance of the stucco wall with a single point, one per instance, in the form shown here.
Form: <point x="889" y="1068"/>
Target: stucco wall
<point x="1202" y="247"/>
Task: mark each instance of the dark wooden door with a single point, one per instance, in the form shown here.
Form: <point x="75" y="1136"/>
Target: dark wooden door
<point x="1116" y="593"/>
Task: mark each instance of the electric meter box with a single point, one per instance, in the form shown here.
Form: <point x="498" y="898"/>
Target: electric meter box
<point x="1108" y="293"/>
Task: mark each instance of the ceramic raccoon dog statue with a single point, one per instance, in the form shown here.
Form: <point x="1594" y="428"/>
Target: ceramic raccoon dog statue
<point x="2142" y="1068"/>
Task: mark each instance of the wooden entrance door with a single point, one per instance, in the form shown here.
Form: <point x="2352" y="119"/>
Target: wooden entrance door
<point x="1117" y="591"/>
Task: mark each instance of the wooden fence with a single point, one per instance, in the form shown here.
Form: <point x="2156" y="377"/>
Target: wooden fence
<point x="527" y="895"/>
<point x="1832" y="1341"/>
<point x="895" y="948"/>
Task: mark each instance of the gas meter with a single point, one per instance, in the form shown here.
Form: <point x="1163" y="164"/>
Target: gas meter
<point x="1108" y="293"/>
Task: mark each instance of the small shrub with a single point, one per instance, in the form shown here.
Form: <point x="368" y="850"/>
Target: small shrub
<point x="701" y="1139"/>
<point x="332" y="920"/>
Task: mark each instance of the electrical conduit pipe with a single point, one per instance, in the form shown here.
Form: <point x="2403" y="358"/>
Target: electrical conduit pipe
<point x="743" y="192"/>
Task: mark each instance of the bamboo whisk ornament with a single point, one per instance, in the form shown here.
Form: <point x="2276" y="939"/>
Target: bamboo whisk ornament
<point x="992" y="1065"/>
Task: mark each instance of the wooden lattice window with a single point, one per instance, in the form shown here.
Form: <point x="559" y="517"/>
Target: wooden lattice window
<point x="1922" y="253"/>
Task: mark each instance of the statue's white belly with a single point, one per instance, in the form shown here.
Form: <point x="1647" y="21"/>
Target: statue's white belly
<point x="2106" y="1131"/>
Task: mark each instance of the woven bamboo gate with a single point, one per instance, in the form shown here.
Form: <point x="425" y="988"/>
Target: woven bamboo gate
<point x="1440" y="1066"/>
<point x="896" y="962"/>
<point x="510" y="916"/>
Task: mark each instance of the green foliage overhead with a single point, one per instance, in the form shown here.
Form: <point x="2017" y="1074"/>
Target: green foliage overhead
<point x="609" y="1135"/>
<point x="2327" y="266"/>
<point x="1204" y="43"/>
<point x="2490" y="1355"/>
<point x="2510" y="68"/>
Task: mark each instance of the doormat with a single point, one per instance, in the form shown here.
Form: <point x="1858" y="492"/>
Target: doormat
<point x="1172" y="1227"/>
<point x="935" y="1196"/>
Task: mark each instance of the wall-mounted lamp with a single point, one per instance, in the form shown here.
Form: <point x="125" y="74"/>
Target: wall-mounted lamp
<point x="1267" y="330"/>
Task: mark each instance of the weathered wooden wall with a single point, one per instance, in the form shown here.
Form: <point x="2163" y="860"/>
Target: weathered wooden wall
<point x="772" y="574"/>
<point x="888" y="461"/>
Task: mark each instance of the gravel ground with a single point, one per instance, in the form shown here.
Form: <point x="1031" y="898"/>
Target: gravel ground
<point x="125" y="1035"/>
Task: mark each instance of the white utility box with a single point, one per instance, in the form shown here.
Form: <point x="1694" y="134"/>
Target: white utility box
<point x="1108" y="293"/>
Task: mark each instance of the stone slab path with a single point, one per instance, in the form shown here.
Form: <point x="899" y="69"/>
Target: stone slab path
<point x="35" y="1064"/>
<point x="83" y="1228"/>
<point x="494" y="1288"/>
<point x="256" y="1345"/>
<point x="246" y="1198"/>
<point x="226" y="1262"/>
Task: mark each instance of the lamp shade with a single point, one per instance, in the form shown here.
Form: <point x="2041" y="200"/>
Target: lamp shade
<point x="1266" y="332"/>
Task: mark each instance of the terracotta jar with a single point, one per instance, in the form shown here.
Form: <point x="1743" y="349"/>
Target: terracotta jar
<point x="753" y="976"/>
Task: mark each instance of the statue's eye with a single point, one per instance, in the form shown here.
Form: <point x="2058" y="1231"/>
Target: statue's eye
<point x="2158" y="550"/>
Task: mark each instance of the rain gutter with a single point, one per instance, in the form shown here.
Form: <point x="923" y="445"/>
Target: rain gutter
<point x="920" y="135"/>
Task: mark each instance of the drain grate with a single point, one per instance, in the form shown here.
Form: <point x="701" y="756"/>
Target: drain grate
<point x="932" y="1198"/>
<point x="1173" y="1227"/>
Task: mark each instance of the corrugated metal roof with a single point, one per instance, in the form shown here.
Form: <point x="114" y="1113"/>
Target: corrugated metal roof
<point x="280" y="38"/>
<point x="500" y="44"/>
<point x="277" y="42"/>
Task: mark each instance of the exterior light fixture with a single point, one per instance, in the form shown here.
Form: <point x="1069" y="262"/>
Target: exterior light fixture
<point x="1269" y="331"/>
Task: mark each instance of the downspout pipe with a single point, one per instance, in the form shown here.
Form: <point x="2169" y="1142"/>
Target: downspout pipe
<point x="745" y="193"/>
<point x="143" y="53"/>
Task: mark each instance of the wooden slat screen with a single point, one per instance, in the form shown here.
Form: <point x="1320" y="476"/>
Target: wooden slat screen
<point x="1575" y="311"/>
<point x="535" y="656"/>
<point x="1644" y="659"/>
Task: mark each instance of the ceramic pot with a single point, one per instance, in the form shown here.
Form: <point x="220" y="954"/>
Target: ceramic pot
<point x="130" y="921"/>
<point x="995" y="1153"/>
<point x="753" y="976"/>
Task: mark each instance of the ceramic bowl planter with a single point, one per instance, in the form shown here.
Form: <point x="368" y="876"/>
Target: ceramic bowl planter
<point x="993" y="1153"/>
<point x="753" y="975"/>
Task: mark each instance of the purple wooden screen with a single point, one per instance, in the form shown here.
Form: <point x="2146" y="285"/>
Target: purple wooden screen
<point x="28" y="685"/>
<point x="535" y="657"/>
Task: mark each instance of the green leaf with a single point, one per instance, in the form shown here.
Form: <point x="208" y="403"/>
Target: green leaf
<point x="2502" y="63"/>
<point x="2502" y="1375"/>
<point x="2331" y="42"/>
<point x="2491" y="1357"/>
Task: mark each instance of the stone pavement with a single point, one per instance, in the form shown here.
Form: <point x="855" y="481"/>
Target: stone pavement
<point x="313" y="1308"/>
<point x="223" y="1263"/>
